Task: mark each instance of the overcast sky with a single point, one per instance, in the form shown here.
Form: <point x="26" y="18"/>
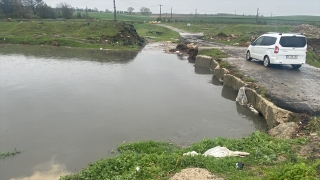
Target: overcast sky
<point x="266" y="7"/>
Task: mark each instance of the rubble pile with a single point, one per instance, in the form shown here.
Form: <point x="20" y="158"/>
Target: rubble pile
<point x="308" y="30"/>
<point x="222" y="36"/>
<point x="185" y="49"/>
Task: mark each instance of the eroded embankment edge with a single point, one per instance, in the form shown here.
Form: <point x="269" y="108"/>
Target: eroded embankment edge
<point x="273" y="115"/>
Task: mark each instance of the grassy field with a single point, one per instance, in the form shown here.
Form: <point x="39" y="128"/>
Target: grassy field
<point x="253" y="20"/>
<point x="73" y="33"/>
<point x="211" y="18"/>
<point x="153" y="32"/>
<point x="120" y="17"/>
<point x="270" y="158"/>
<point x="313" y="59"/>
<point x="242" y="33"/>
<point x="79" y="33"/>
<point x="212" y="29"/>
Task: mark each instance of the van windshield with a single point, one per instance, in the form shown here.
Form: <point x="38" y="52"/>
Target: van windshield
<point x="293" y="41"/>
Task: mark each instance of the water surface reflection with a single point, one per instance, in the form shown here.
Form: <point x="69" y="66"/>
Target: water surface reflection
<point x="63" y="53"/>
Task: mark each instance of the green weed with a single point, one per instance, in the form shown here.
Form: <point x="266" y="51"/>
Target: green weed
<point x="294" y="170"/>
<point x="160" y="160"/>
<point x="248" y="79"/>
<point x="224" y="64"/>
<point x="9" y="154"/>
<point x="313" y="59"/>
<point x="262" y="91"/>
<point x="215" y="53"/>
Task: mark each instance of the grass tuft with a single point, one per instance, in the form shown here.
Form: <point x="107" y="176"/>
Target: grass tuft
<point x="215" y="53"/>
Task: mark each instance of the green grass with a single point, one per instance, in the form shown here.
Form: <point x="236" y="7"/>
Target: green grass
<point x="120" y="17"/>
<point x="242" y="33"/>
<point x="269" y="157"/>
<point x="215" y="53"/>
<point x="313" y="59"/>
<point x="213" y="29"/>
<point x="248" y="19"/>
<point x="4" y="155"/>
<point x="210" y="18"/>
<point x="74" y="33"/>
<point x="156" y="33"/>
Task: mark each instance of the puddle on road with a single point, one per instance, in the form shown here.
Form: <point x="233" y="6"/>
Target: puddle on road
<point x="79" y="105"/>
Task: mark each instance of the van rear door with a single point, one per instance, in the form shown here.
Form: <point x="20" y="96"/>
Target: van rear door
<point x="292" y="49"/>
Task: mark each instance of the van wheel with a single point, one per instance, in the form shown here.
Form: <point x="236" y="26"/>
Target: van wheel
<point x="296" y="66"/>
<point x="266" y="61"/>
<point x="248" y="56"/>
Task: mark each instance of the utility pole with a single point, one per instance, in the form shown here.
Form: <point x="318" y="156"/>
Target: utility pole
<point x="87" y="13"/>
<point x="115" y="10"/>
<point x="257" y="15"/>
<point x="160" y="10"/>
<point x="171" y="12"/>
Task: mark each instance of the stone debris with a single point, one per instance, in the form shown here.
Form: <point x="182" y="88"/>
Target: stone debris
<point x="184" y="49"/>
<point x="308" y="30"/>
<point x="284" y="130"/>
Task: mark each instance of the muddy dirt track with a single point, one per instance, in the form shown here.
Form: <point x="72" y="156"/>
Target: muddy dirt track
<point x="294" y="90"/>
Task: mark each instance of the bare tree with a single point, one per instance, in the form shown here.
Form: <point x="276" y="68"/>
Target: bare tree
<point x="32" y="4"/>
<point x="6" y="6"/>
<point x="45" y="11"/>
<point x="145" y="11"/>
<point x="66" y="10"/>
<point x="130" y="10"/>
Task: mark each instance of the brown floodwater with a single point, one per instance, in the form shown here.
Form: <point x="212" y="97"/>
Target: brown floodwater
<point x="64" y="108"/>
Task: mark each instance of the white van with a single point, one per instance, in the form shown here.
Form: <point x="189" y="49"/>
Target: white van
<point x="278" y="48"/>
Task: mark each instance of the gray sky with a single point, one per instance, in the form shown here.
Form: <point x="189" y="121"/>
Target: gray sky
<point x="277" y="7"/>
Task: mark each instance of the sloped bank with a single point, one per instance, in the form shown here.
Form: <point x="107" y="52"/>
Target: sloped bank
<point x="272" y="114"/>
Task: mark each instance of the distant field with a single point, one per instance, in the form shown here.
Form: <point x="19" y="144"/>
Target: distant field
<point x="251" y="19"/>
<point x="214" y="19"/>
<point x="242" y="32"/>
<point x="120" y="17"/>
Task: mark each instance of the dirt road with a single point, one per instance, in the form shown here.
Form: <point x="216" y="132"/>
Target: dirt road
<point x="294" y="90"/>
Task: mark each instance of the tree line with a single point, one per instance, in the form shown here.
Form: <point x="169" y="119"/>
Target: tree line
<point x="39" y="9"/>
<point x="34" y="9"/>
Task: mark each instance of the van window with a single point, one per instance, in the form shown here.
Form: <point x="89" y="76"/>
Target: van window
<point x="268" y="41"/>
<point x="293" y="41"/>
<point x="258" y="41"/>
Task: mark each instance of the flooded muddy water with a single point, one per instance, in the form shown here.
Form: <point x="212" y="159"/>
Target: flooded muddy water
<point x="64" y="108"/>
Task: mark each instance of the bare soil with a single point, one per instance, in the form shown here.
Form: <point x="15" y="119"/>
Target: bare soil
<point x="194" y="174"/>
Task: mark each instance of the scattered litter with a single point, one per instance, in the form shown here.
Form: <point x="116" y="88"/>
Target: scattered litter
<point x="239" y="165"/>
<point x="252" y="109"/>
<point x="218" y="151"/>
<point x="192" y="153"/>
